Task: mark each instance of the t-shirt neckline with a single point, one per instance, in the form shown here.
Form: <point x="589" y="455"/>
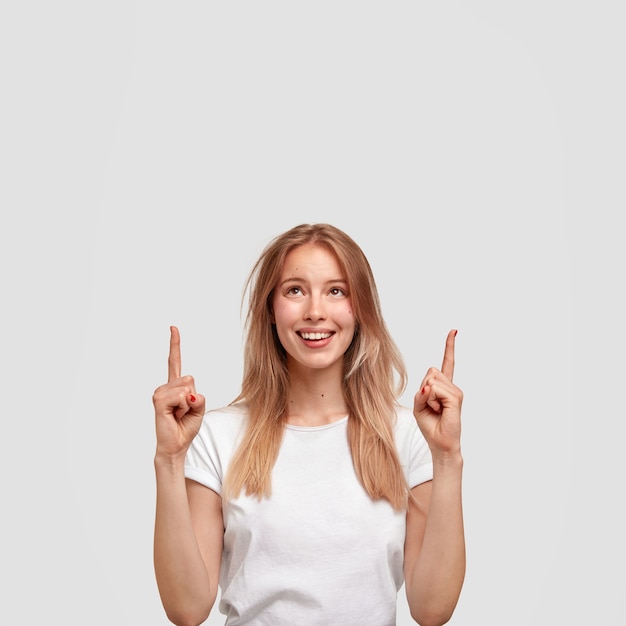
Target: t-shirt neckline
<point x="333" y="424"/>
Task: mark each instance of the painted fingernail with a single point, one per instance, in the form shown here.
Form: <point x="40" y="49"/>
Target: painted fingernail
<point x="423" y="390"/>
<point x="455" y="332"/>
<point x="192" y="398"/>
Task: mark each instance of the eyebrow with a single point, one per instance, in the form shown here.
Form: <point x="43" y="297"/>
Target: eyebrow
<point x="298" y="279"/>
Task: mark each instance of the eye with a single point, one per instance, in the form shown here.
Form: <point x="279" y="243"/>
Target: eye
<point x="294" y="291"/>
<point x="337" y="291"/>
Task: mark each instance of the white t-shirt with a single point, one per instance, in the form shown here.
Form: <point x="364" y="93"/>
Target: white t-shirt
<point x="319" y="550"/>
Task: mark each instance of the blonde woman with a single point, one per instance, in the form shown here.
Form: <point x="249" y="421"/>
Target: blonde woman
<point x="313" y="496"/>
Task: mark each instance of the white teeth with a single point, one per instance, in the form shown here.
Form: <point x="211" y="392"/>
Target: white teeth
<point x="315" y="336"/>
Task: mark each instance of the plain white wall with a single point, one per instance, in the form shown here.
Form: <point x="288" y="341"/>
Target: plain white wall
<point x="149" y="150"/>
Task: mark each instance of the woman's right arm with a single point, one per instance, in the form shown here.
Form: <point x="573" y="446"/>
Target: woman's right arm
<point x="188" y="532"/>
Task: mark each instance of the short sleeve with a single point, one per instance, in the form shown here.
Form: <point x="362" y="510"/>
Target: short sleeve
<point x="413" y="450"/>
<point x="212" y="448"/>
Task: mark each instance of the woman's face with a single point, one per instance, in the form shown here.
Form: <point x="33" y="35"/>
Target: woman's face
<point x="312" y="309"/>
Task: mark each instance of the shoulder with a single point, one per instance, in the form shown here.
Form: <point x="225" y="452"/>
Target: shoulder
<point x="413" y="450"/>
<point x="227" y="415"/>
<point x="214" y="445"/>
<point x="231" y="417"/>
<point x="406" y="431"/>
<point x="222" y="426"/>
<point x="405" y="422"/>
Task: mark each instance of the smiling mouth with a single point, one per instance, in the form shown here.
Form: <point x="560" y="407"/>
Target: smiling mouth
<point x="315" y="336"/>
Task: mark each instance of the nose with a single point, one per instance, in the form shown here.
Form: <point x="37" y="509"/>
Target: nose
<point x="315" y="309"/>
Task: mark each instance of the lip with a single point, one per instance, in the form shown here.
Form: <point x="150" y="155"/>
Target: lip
<point x="315" y="343"/>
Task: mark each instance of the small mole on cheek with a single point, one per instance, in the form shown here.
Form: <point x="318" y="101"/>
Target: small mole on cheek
<point x="322" y="395"/>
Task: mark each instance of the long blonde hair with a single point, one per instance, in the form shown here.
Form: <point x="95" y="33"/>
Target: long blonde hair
<point x="374" y="374"/>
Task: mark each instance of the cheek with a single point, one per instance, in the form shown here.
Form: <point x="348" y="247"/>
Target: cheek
<point x="283" y="312"/>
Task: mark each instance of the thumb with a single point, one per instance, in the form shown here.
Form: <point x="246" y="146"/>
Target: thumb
<point x="425" y="397"/>
<point x="420" y="400"/>
<point x="197" y="404"/>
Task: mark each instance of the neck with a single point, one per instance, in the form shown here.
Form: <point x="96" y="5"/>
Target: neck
<point x="315" y="397"/>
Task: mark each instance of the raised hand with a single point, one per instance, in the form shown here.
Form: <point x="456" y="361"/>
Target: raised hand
<point x="437" y="405"/>
<point x="178" y="408"/>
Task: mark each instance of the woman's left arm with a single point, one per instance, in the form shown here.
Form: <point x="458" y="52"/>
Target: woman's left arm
<point x="434" y="552"/>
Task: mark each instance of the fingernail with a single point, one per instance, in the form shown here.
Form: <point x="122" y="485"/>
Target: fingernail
<point x="455" y="332"/>
<point x="192" y="398"/>
<point x="423" y="390"/>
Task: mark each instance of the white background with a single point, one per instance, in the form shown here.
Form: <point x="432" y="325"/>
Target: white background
<point x="149" y="150"/>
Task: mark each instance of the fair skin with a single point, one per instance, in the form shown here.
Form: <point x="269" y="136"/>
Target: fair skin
<point x="315" y="324"/>
<point x="313" y="315"/>
<point x="434" y="551"/>
<point x="188" y="533"/>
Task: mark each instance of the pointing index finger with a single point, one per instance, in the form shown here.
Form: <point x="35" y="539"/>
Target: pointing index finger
<point x="447" y="367"/>
<point x="173" y="361"/>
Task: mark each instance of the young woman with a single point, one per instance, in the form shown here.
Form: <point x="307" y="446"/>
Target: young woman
<point x="314" y="495"/>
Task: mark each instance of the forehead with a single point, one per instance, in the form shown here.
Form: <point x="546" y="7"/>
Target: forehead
<point x="311" y="257"/>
